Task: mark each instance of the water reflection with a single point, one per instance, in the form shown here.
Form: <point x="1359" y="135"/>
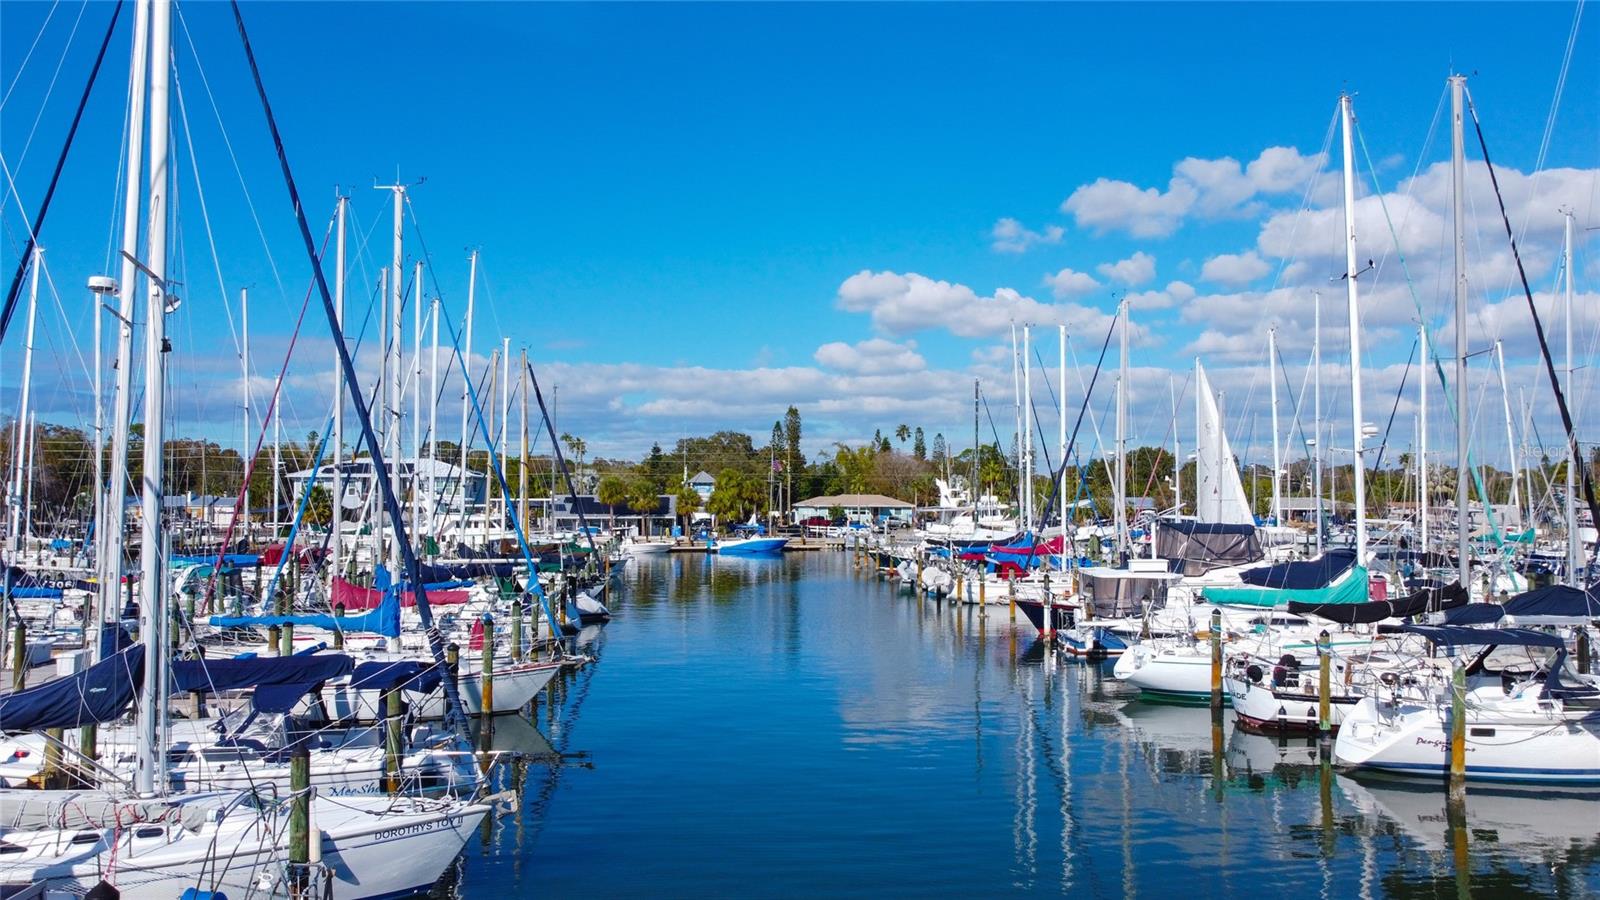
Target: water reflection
<point x="792" y="726"/>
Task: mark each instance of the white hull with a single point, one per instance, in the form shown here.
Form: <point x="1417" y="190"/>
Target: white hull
<point x="1515" y="739"/>
<point x="515" y="686"/>
<point x="373" y="847"/>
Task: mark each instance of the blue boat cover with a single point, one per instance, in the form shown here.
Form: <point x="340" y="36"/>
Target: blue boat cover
<point x="237" y="560"/>
<point x="1475" y="614"/>
<point x="22" y="583"/>
<point x="237" y="674"/>
<point x="1302" y="576"/>
<point x="100" y="693"/>
<point x="281" y="698"/>
<point x="1556" y="601"/>
<point x="413" y="675"/>
<point x="384" y="620"/>
<point x="1454" y="635"/>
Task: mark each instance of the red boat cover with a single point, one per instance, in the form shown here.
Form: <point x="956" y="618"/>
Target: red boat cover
<point x="355" y="597"/>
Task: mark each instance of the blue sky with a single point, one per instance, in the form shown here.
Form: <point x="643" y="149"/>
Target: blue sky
<point x="671" y="200"/>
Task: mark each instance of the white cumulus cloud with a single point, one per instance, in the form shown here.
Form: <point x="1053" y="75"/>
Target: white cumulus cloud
<point x="875" y="356"/>
<point x="1070" y="283"/>
<point x="1133" y="271"/>
<point x="1011" y="236"/>
<point x="1234" y="268"/>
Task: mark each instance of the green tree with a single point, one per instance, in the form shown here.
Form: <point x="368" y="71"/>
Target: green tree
<point x="688" y="502"/>
<point x="902" y="432"/>
<point x="919" y="446"/>
<point x="613" y="492"/>
<point x="940" y="450"/>
<point x="643" y="500"/>
<point x="835" y="513"/>
<point x="319" y="507"/>
<point x="736" y="496"/>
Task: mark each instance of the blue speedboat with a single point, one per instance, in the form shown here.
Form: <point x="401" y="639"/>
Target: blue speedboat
<point x="752" y="546"/>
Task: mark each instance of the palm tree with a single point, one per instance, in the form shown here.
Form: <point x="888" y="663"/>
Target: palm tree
<point x="688" y="502"/>
<point x="643" y="499"/>
<point x="613" y="492"/>
<point x="901" y="432"/>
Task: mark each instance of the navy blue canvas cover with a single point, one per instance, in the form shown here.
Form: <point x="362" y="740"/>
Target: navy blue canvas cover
<point x="1302" y="576"/>
<point x="100" y="693"/>
<point x="238" y="674"/>
<point x="413" y="675"/>
<point x="1556" y="601"/>
<point x="1457" y="636"/>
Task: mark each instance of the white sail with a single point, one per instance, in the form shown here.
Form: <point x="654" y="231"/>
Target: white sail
<point x="1219" y="494"/>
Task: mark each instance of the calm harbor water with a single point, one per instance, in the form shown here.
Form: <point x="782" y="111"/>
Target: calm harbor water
<point x="787" y="727"/>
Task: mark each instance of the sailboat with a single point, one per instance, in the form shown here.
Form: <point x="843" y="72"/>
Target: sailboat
<point x="152" y="841"/>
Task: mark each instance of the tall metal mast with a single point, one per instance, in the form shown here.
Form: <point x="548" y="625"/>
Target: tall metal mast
<point x="335" y="541"/>
<point x="1277" y="461"/>
<point x="1457" y="200"/>
<point x="1422" y="439"/>
<point x="1316" y="408"/>
<point x="466" y="394"/>
<point x="1574" y="542"/>
<point x="152" y="603"/>
<point x="1350" y="273"/>
<point x="1122" y="437"/>
<point x="110" y="568"/>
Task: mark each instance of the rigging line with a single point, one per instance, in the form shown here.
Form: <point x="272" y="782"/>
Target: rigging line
<point x="199" y="67"/>
<point x="261" y="433"/>
<point x="1055" y="476"/>
<point x="51" y="89"/>
<point x="1377" y="465"/>
<point x="1538" y="325"/>
<point x="1433" y="346"/>
<point x="205" y="214"/>
<point x="43" y="27"/>
<point x="455" y="718"/>
<point x="1305" y="198"/>
<point x="55" y="179"/>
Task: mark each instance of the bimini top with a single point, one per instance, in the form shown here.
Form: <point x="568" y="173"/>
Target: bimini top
<point x="1458" y="636"/>
<point x="1302" y="576"/>
<point x="1475" y="614"/>
<point x="1555" y="604"/>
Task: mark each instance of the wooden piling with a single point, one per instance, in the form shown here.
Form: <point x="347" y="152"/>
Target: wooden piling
<point x="393" y="739"/>
<point x="1011" y="597"/>
<point x="53" y="738"/>
<point x="19" y="656"/>
<point x="299" y="820"/>
<point x="1585" y="652"/>
<point x="1458" y="726"/>
<point x="516" y="630"/>
<point x="1216" y="659"/>
<point x="1049" y="607"/>
<point x="1324" y="664"/>
<point x="486" y="676"/>
<point x="338" y="626"/>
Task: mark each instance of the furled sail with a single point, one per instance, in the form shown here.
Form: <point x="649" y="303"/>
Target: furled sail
<point x="1219" y="494"/>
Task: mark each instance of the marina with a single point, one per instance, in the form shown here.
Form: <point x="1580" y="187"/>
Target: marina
<point x="423" y="534"/>
<point x="864" y="741"/>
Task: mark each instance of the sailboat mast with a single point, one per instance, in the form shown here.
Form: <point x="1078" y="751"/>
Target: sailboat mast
<point x="466" y="395"/>
<point x="974" y="489"/>
<point x="110" y="568"/>
<point x="1457" y="199"/>
<point x="416" y="402"/>
<point x="1511" y="434"/>
<point x="335" y="540"/>
<point x="1061" y="440"/>
<point x="1574" y="541"/>
<point x="246" y="450"/>
<point x="22" y="439"/>
<point x="1122" y="437"/>
<point x="391" y="416"/>
<point x="1277" y="462"/>
<point x="1422" y="440"/>
<point x="522" y="457"/>
<point x="505" y="413"/>
<point x="152" y="604"/>
<point x="1025" y="446"/>
<point x="1016" y="392"/>
<point x="1177" y="448"/>
<point x="1316" y="408"/>
<point x="433" y="426"/>
<point x="1356" y="424"/>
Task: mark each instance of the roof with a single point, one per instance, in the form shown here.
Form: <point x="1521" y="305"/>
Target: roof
<point x="703" y="477"/>
<point x="876" y="501"/>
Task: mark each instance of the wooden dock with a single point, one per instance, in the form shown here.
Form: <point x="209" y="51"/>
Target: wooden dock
<point x="684" y="545"/>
